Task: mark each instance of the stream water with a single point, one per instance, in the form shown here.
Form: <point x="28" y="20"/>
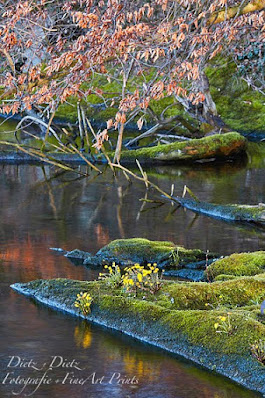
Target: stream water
<point x="40" y="209"/>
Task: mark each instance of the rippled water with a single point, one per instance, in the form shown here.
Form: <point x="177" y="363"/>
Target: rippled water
<point x="40" y="209"/>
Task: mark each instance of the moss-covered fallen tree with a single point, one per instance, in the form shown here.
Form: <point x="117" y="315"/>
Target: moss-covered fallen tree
<point x="229" y="212"/>
<point x="216" y="147"/>
<point x="214" y="324"/>
<point x="219" y="146"/>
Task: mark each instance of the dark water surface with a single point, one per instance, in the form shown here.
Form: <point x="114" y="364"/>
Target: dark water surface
<point x="39" y="209"/>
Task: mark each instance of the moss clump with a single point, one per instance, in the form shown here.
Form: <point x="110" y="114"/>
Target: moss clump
<point x="139" y="250"/>
<point x="224" y="277"/>
<point x="239" y="264"/>
<point x="216" y="146"/>
<point x="201" y="295"/>
<point x="136" y="249"/>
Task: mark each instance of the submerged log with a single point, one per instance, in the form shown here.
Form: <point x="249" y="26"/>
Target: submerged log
<point x="229" y="212"/>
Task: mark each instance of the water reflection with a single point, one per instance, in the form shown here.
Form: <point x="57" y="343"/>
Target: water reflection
<point x="42" y="208"/>
<point x="71" y="212"/>
<point x="83" y="335"/>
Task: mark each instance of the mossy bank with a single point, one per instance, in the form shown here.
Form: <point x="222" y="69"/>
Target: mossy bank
<point x="180" y="318"/>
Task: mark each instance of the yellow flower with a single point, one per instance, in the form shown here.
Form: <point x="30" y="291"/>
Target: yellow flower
<point x="216" y="325"/>
<point x="140" y="277"/>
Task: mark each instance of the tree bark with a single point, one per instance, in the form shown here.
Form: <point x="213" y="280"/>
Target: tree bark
<point x="117" y="155"/>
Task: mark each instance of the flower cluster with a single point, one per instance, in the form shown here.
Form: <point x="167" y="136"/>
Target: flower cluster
<point x="139" y="278"/>
<point x="224" y="325"/>
<point x="258" y="351"/>
<point x="113" y="276"/>
<point x="83" y="302"/>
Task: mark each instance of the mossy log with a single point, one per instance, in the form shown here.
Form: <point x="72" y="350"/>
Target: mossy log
<point x="188" y="263"/>
<point x="180" y="318"/>
<point x="219" y="146"/>
<point x="216" y="147"/>
<point x="229" y="212"/>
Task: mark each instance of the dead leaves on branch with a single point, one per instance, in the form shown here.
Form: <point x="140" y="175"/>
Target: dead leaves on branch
<point x="173" y="37"/>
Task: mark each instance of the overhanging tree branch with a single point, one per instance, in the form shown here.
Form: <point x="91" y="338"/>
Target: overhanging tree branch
<point x="231" y="12"/>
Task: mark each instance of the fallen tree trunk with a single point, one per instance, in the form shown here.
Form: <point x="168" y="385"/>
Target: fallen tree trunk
<point x="217" y="146"/>
<point x="230" y="212"/>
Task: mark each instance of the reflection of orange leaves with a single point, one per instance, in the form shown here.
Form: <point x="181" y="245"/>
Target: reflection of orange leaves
<point x="24" y="255"/>
<point x="102" y="235"/>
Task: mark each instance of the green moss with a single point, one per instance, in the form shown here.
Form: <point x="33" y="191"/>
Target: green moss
<point x="201" y="295"/>
<point x="207" y="147"/>
<point x="198" y="326"/>
<point x="253" y="211"/>
<point x="68" y="110"/>
<point x="224" y="277"/>
<point x="239" y="106"/>
<point x="242" y="108"/>
<point x="256" y="155"/>
<point x="138" y="249"/>
<point x="105" y="114"/>
<point x="239" y="264"/>
<point x="179" y="309"/>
